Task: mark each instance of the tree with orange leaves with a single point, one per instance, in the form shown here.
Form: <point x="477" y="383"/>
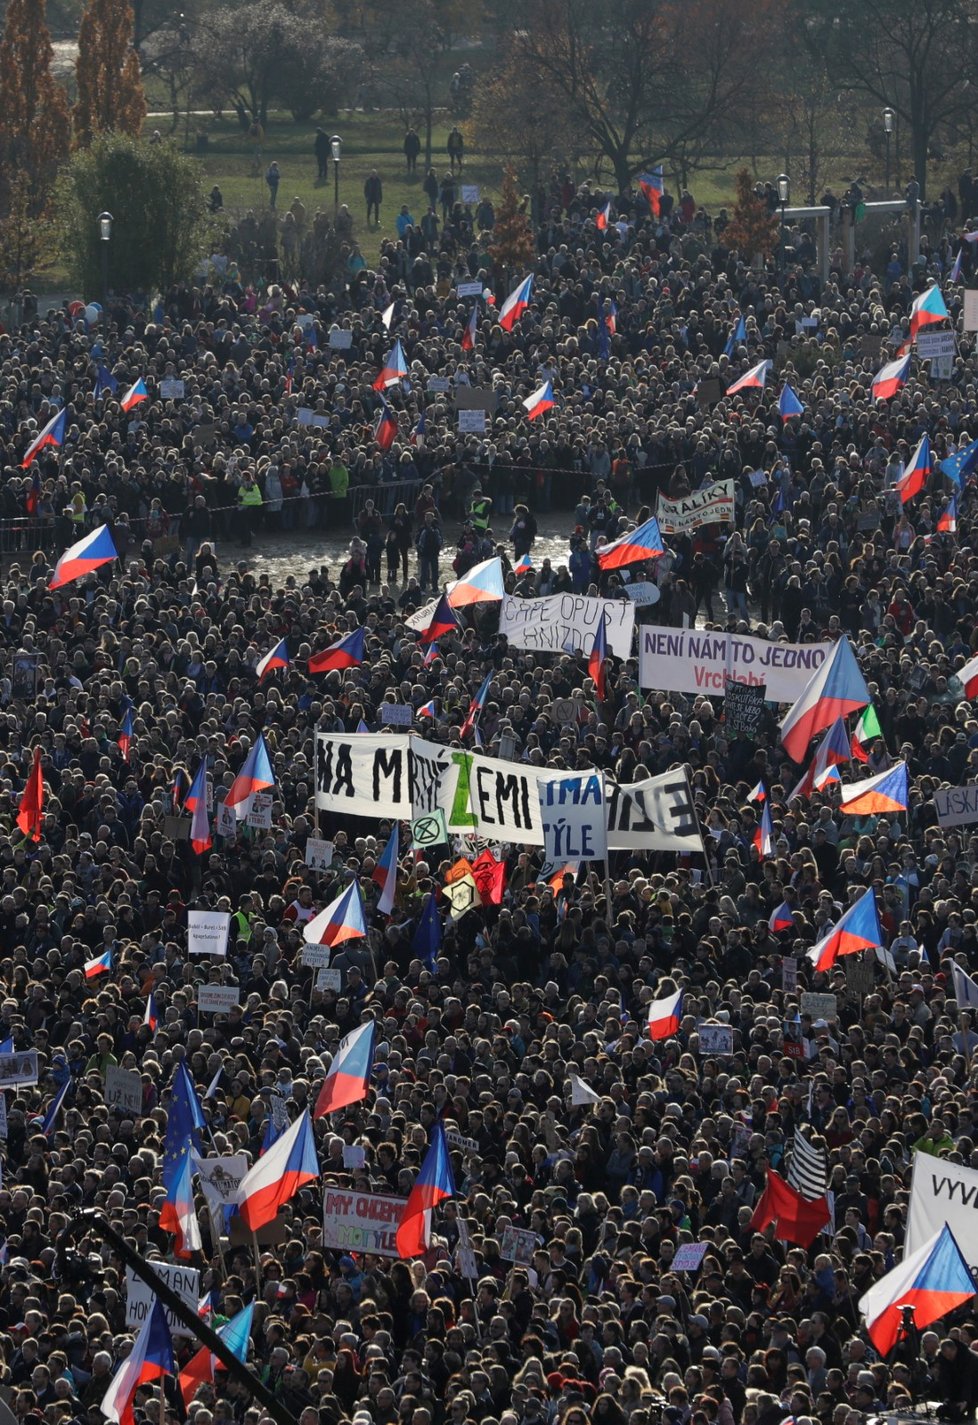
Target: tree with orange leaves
<point x="110" y="88"/>
<point x="512" y="248"/>
<point x="35" y="128"/>
<point x="752" y="231"/>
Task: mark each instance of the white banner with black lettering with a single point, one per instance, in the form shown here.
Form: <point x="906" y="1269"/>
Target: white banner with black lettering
<point x="689" y="660"/>
<point x="382" y="775"/>
<point x="713" y="505"/>
<point x="942" y="1192"/>
<point x="567" y="623"/>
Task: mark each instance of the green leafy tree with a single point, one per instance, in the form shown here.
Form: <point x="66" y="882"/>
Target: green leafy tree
<point x="110" y="87"/>
<point x="157" y="196"/>
<point x="512" y="248"/>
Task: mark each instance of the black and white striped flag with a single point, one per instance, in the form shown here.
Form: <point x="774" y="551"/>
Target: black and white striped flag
<point x="808" y="1169"/>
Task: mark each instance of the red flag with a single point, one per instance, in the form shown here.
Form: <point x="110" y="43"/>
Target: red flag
<point x="29" y="811"/>
<point x="490" y="877"/>
<point x="795" y="1218"/>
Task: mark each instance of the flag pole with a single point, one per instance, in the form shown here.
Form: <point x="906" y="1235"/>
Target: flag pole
<point x="696" y="817"/>
<point x="254" y="1244"/>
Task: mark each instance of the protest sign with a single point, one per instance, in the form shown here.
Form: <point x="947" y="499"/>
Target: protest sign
<point x="931" y="344"/>
<point x="574" y="817"/>
<point x="716" y="1038"/>
<point x="437" y="385"/>
<point x="396" y="715"/>
<point x="819" y="1006"/>
<point x="469" y="289"/>
<point x="207" y="932"/>
<point x="971" y="309"/>
<point x="470" y="194"/>
<point x="465" y="1257"/>
<point x="689" y="1256"/>
<point x="225" y="821"/>
<point x="354" y="1156"/>
<point x="3" y="1115"/>
<point x="956" y="806"/>
<point x="643" y="593"/>
<point x="220" y="1179"/>
<point x="567" y="622"/>
<point x="260" y="812"/>
<point x="361" y="1222"/>
<point x="464" y="1145"/>
<point x="124" y="1089"/>
<point x="340" y="340"/>
<point x="19" y="1068"/>
<point x="708" y="391"/>
<point x="789" y="972"/>
<point x="476" y="398"/>
<point x="308" y="417"/>
<point x="743" y="709"/>
<point x="714" y="505"/>
<point x="859" y="976"/>
<point x="689" y="660"/>
<point x="319" y="854"/>
<point x="793" y="1043"/>
<point x="472" y="422"/>
<point x="429" y="830"/>
<point x="184" y="1281"/>
<point x="217" y="999"/>
<point x="517" y="1245"/>
<point x="329" y="978"/>
<point x="316" y="957"/>
<point x="172" y="390"/>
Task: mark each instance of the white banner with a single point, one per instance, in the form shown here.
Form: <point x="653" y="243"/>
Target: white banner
<point x="956" y="806"/>
<point x="688" y="660"/>
<point x="361" y="1222"/>
<point x="207" y="932"/>
<point x="217" y="999"/>
<point x="185" y="1281"/>
<point x="942" y="1192"/>
<point x="400" y="777"/>
<point x="714" y="505"/>
<point x="574" y="817"/>
<point x="567" y="623"/>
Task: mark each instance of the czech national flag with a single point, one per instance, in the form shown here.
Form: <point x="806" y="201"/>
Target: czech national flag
<point x="833" y="751"/>
<point x="652" y="186"/>
<point x="764" y="833"/>
<point x="255" y="776"/>
<point x="541" y="400"/>
<point x="125" y="734"/>
<point x="966" y="676"/>
<point x="960" y="464"/>
<point x="836" y="689"/>
<point x="890" y="378"/>
<point x="955" y="273"/>
<point x="343" y="919"/>
<point x="151" y="1358"/>
<point x="471" y="330"/>
<point x="101" y="965"/>
<point x="433" y="1185"/>
<point x="136" y="394"/>
<point x="867" y="728"/>
<point x="758" y="793"/>
<point x="394" y="370"/>
<point x="29" y="812"/>
<point x="965" y="989"/>
<point x="349" y="1074"/>
<point x="947" y="520"/>
<point x="789" y="404"/>
<point x="516" y="304"/>
<point x="428" y="709"/>
<point x="476" y="706"/>
<point x="197" y="795"/>
<point x="89" y="553"/>
<point x="483" y="584"/>
<point x="200" y="824"/>
<point x="387" y="316"/>
<point x="885" y="793"/>
<point x="665" y="1016"/>
<point x="33" y="499"/>
<point x="54" y="1108"/>
<point x="603" y="219"/>
<point x="736" y="337"/>
<point x="782" y="918"/>
<point x="443" y="622"/>
<point x="385" y="871"/>
<point x="932" y="1281"/>
<point x="277" y="1177"/>
<point x="597" y="660"/>
<point x="524" y="566"/>
<point x="346" y="652"/>
<point x="52" y="434"/>
<point x="857" y="930"/>
<point x="150" y="1017"/>
<point x="632" y="548"/>
<point x="928" y="309"/>
<point x="200" y="1369"/>
<point x="418" y="434"/>
<point x="912" y="481"/>
<point x="277" y="658"/>
<point x="430" y="656"/>
<point x="385" y="429"/>
<point x="752" y="380"/>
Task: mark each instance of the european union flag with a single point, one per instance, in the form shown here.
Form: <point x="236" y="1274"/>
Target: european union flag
<point x="957" y="466"/>
<point x="184" y="1120"/>
<point x="427" y="937"/>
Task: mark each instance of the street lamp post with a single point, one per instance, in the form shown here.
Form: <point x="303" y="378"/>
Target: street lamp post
<point x="784" y="193"/>
<point x="888" y="117"/>
<point x="336" y="146"/>
<point x="105" y="237"/>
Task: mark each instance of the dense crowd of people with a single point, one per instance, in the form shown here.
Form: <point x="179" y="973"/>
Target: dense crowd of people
<point x="632" y="327"/>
